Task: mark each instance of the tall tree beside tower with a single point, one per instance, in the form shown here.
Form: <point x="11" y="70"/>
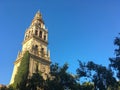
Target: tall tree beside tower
<point x="115" y="62"/>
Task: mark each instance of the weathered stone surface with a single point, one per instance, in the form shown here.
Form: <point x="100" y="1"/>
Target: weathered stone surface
<point x="36" y="42"/>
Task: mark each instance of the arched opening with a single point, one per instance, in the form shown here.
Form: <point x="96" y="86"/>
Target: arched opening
<point x="36" y="32"/>
<point x="42" y="49"/>
<point x="36" y="47"/>
<point x="42" y="52"/>
<point x="40" y="34"/>
<point x="44" y="37"/>
<point x="37" y="68"/>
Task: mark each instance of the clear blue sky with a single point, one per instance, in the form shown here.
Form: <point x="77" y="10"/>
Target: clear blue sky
<point x="78" y="29"/>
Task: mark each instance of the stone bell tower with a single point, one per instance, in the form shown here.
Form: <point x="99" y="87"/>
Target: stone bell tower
<point x="36" y="42"/>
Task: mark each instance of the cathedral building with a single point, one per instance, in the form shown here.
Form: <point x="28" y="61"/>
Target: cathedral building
<point x="36" y="42"/>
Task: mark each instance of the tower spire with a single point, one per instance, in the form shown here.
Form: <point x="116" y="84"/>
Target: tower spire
<point x="37" y="20"/>
<point x="38" y="15"/>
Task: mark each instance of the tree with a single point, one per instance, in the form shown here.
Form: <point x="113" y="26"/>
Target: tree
<point x="115" y="62"/>
<point x="98" y="74"/>
<point x="10" y="87"/>
<point x="61" y="79"/>
<point x="87" y="86"/>
<point x="35" y="82"/>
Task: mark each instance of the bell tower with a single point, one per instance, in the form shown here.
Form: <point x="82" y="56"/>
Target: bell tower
<point x="36" y="42"/>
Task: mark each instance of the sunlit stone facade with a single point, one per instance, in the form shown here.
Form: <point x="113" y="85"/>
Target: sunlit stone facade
<point x="36" y="42"/>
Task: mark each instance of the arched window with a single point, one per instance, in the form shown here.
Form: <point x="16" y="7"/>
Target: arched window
<point x="42" y="52"/>
<point x="44" y="37"/>
<point x="36" y="32"/>
<point x="42" y="49"/>
<point x="37" y="66"/>
<point x="36" y="47"/>
<point x="40" y="34"/>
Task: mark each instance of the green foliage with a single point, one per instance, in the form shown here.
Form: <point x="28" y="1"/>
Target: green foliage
<point x="10" y="87"/>
<point x="87" y="86"/>
<point x="36" y="81"/>
<point x="115" y="62"/>
<point x="98" y="77"/>
<point x="22" y="73"/>
<point x="61" y="79"/>
<point x="98" y="74"/>
<point x="6" y="87"/>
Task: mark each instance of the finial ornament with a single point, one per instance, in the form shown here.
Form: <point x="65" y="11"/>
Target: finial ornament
<point x="38" y="11"/>
<point x="38" y="15"/>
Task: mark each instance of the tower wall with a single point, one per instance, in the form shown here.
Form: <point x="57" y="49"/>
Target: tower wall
<point x="36" y="42"/>
<point x="15" y="69"/>
<point x="40" y="64"/>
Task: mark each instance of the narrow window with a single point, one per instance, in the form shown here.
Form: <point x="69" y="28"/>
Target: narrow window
<point x="42" y="50"/>
<point x="44" y="37"/>
<point x="37" y="67"/>
<point x="36" y="32"/>
<point x="40" y="35"/>
<point x="36" y="47"/>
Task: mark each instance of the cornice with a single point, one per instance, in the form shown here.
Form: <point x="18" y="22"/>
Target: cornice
<point x="43" y="59"/>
